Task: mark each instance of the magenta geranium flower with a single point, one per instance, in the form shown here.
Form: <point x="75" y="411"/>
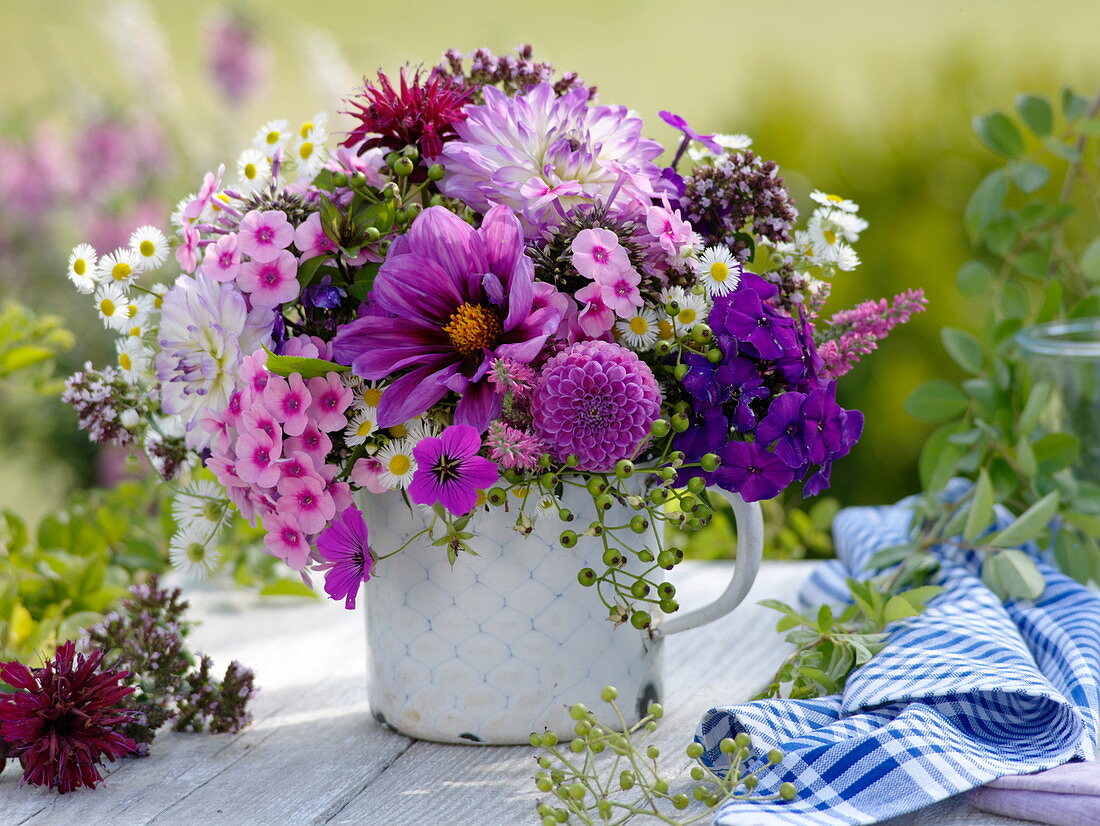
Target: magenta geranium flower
<point x="454" y="299"/>
<point x="343" y="546"/>
<point x="448" y="470"/>
<point x="63" y="718"/>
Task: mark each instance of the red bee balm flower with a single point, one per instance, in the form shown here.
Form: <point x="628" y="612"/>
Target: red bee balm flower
<point x="420" y="113"/>
<point x="62" y="720"/>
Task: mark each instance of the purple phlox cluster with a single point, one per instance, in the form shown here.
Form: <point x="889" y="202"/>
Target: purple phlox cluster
<point x="595" y="400"/>
<point x="543" y="155"/>
<point x="512" y="74"/>
<point x="512" y="447"/>
<point x="851" y="334"/>
<point x="270" y="447"/>
<point x="449" y="472"/>
<point x="764" y="407"/>
<point x="235" y="60"/>
<point x="346" y="552"/>
<point x="455" y="300"/>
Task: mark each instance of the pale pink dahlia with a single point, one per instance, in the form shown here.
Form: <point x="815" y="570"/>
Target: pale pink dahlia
<point x="597" y="400"/>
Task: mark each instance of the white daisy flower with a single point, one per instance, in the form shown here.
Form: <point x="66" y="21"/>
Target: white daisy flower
<point x="82" y="268"/>
<point x="192" y="551"/>
<point x="316" y="129"/>
<point x="150" y="245"/>
<point x="310" y="154"/>
<point x="693" y="308"/>
<point x="829" y="227"/>
<point x="113" y="306"/>
<point x="272" y="137"/>
<point x="134" y="360"/>
<point x="421" y="428"/>
<point x="835" y="201"/>
<point x="731" y="143"/>
<point x="121" y="267"/>
<point x="159" y="291"/>
<point x="140" y="311"/>
<point x="846" y="258"/>
<point x="639" y="332"/>
<point x="253" y="171"/>
<point x="369" y="393"/>
<point x="363" y="422"/>
<point x="398" y="463"/>
<point x="202" y="504"/>
<point x="718" y="270"/>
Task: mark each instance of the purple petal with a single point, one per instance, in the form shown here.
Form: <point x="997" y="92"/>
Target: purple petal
<point x="478" y="406"/>
<point x="411" y="286"/>
<point x="414" y="393"/>
<point x="445" y="238"/>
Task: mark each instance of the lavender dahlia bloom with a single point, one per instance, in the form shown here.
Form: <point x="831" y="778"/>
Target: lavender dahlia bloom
<point x="206" y="329"/>
<point x="596" y="400"/>
<point x="454" y="299"/>
<point x="542" y="155"/>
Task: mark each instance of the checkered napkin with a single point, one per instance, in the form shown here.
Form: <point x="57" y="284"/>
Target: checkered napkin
<point x="970" y="691"/>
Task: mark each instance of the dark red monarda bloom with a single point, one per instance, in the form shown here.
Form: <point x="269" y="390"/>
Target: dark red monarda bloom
<point x="62" y="720"/>
<point x="421" y="113"/>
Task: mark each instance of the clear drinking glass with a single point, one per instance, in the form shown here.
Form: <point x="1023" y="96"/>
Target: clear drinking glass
<point x="1067" y="354"/>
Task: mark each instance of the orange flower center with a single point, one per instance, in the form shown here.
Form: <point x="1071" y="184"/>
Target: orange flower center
<point x="472" y="327"/>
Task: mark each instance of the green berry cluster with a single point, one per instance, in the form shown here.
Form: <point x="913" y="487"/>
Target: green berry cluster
<point x="607" y="774"/>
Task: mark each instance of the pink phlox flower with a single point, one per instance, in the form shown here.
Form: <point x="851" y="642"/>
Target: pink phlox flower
<point x="538" y="193"/>
<point x="254" y="371"/>
<point x="225" y="469"/>
<point x="272" y="282"/>
<point x="257" y="419"/>
<point x="187" y="253"/>
<point x="513" y="448"/>
<point x="297" y="465"/>
<point x="672" y="231"/>
<point x="311" y="240"/>
<point x="257" y="459"/>
<point x="285" y="540"/>
<point x="340" y="493"/>
<point x="211" y="183"/>
<point x="620" y="292"/>
<point x="367" y="474"/>
<point x="215" y="424"/>
<point x="595" y="317"/>
<point x="313" y="442"/>
<point x="310" y="347"/>
<point x="306" y="501"/>
<point x="263" y="235"/>
<point x="331" y="397"/>
<point x="449" y="472"/>
<point x="347" y="556"/>
<point x="222" y="260"/>
<point x="288" y="401"/>
<point x="597" y="254"/>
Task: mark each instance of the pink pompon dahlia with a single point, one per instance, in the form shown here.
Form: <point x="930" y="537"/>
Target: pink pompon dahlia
<point x="62" y="720"/>
<point x="421" y="113"/>
<point x="596" y="400"/>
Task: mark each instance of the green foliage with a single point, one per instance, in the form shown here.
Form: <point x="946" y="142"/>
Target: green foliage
<point x="790" y="532"/>
<point x="607" y="773"/>
<point x="29" y="343"/>
<point x="1037" y="259"/>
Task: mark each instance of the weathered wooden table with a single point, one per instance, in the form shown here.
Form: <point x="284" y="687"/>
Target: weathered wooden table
<point x="315" y="755"/>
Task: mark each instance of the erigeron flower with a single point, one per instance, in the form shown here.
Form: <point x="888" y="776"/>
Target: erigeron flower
<point x="827" y="228"/>
<point x="113" y="306"/>
<point x="202" y="504"/>
<point x="176" y="217"/>
<point x="82" y="268"/>
<point x="364" y="422"/>
<point x="693" y="309"/>
<point x="639" y="331"/>
<point x="253" y="171"/>
<point x="846" y="258"/>
<point x="193" y="552"/>
<point x="272" y="137"/>
<point x="121" y="266"/>
<point x="398" y="464"/>
<point x="151" y="247"/>
<point x="730" y="143"/>
<point x="134" y="359"/>
<point x="367" y="393"/>
<point x="835" y="201"/>
<point x="310" y="154"/>
<point x="718" y="270"/>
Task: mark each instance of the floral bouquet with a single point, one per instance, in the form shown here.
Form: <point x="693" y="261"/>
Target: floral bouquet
<point x="488" y="292"/>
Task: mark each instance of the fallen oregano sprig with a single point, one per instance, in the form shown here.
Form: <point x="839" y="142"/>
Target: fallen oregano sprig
<point x="608" y="775"/>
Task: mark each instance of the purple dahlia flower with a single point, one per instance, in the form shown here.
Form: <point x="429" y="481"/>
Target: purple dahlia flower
<point x="543" y="155"/>
<point x="597" y="400"/>
<point x="454" y="299"/>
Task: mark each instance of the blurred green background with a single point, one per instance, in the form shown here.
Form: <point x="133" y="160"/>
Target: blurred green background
<point x="871" y="100"/>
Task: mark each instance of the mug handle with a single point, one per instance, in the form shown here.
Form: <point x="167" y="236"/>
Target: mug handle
<point x="750" y="550"/>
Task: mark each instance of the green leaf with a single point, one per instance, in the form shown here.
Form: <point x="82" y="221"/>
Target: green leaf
<point x="939" y="458"/>
<point x="1036" y="112"/>
<point x="1065" y="151"/>
<point x="936" y="401"/>
<point x="1036" y="403"/>
<point x="1056" y="451"/>
<point x="985" y="203"/>
<point x="1013" y="575"/>
<point x="1025" y="458"/>
<point x="1014" y="302"/>
<point x="998" y="131"/>
<point x="974" y="278"/>
<point x="1073" y="105"/>
<point x="1028" y="175"/>
<point x="888" y="556"/>
<point x="330" y="220"/>
<point x="979" y="515"/>
<point x="1029" y="524"/>
<point x="19" y="358"/>
<point x="919" y="597"/>
<point x="899" y="608"/>
<point x="307" y="270"/>
<point x="287" y="587"/>
<point x="963" y="347"/>
<point x="1090" y="261"/>
<point x="307" y="368"/>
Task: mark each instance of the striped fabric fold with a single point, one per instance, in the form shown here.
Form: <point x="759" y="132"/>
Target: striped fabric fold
<point x="972" y="690"/>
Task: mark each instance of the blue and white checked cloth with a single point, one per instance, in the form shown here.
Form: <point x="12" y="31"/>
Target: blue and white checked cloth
<point x="971" y="690"/>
